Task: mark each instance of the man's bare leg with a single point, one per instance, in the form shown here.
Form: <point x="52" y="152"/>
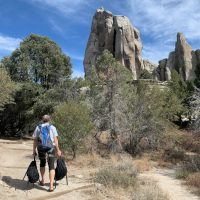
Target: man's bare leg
<point x="51" y="178"/>
<point x="42" y="172"/>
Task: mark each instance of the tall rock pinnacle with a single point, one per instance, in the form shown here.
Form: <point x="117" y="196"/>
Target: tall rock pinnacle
<point x="184" y="60"/>
<point x="116" y="34"/>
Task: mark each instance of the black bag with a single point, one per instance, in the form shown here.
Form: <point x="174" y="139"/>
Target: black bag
<point x="32" y="172"/>
<point x="61" y="170"/>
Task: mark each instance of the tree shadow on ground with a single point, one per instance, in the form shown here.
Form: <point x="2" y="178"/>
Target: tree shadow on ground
<point x="19" y="184"/>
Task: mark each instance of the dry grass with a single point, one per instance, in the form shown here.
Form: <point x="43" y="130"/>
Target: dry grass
<point x="122" y="175"/>
<point x="143" y="164"/>
<point x="193" y="180"/>
<point x="107" y="194"/>
<point x="187" y="140"/>
<point x="148" y="190"/>
<point x="88" y="160"/>
<point x="116" y="177"/>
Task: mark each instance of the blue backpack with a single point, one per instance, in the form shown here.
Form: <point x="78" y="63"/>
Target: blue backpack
<point x="45" y="143"/>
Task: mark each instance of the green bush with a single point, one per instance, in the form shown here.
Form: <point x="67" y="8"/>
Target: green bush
<point x="182" y="174"/>
<point x="190" y="166"/>
<point x="73" y="122"/>
<point x="123" y="175"/>
<point x="145" y="74"/>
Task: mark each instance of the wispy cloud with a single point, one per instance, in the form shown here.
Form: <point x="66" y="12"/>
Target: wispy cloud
<point x="8" y="43"/>
<point x="74" y="9"/>
<point x="161" y="20"/>
<point x="55" y="26"/>
<point x="75" y="56"/>
<point x="65" y="6"/>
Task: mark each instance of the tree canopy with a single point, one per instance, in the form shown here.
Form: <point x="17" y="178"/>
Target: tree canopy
<point x="40" y="60"/>
<point x="7" y="87"/>
<point x="43" y="72"/>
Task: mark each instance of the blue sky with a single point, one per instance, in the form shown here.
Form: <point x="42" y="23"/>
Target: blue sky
<point x="68" y="23"/>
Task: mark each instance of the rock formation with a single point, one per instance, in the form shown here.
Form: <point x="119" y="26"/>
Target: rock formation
<point x="116" y="34"/>
<point x="149" y="66"/>
<point x="183" y="60"/>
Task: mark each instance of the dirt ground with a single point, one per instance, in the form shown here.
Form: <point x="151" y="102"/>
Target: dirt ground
<point x="15" y="157"/>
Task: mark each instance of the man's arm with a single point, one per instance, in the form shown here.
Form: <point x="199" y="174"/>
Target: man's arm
<point x="34" y="146"/>
<point x="58" y="152"/>
<point x="35" y="140"/>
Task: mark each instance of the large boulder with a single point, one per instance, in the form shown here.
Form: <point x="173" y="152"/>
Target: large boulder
<point x="184" y="60"/>
<point x="116" y="34"/>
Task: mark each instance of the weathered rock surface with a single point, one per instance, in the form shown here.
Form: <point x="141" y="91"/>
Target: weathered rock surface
<point x="116" y="34"/>
<point x="184" y="60"/>
<point x="161" y="69"/>
<point x="149" y="66"/>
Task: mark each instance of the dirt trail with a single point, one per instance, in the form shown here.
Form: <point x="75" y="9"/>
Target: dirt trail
<point x="14" y="159"/>
<point x="15" y="156"/>
<point x="167" y="181"/>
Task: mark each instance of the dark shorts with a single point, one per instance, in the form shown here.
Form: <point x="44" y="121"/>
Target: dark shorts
<point x="50" y="157"/>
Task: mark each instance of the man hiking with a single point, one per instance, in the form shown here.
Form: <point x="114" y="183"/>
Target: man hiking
<point x="46" y="141"/>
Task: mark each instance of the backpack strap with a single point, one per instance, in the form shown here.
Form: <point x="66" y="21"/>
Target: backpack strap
<point x="48" y="128"/>
<point x="66" y="179"/>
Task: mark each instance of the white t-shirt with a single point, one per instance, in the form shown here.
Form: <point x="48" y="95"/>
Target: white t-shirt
<point x="52" y="132"/>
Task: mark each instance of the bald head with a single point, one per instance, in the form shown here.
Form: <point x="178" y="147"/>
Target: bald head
<point x="46" y="118"/>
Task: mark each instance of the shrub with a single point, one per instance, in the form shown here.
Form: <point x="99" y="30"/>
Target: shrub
<point x="148" y="191"/>
<point x="197" y="73"/>
<point x="192" y="164"/>
<point x="73" y="122"/>
<point x="145" y="74"/>
<point x="123" y="175"/>
<point x="193" y="180"/>
<point x="182" y="174"/>
<point x="174" y="154"/>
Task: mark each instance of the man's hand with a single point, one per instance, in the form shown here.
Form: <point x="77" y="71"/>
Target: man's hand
<point x="58" y="153"/>
<point x="34" y="153"/>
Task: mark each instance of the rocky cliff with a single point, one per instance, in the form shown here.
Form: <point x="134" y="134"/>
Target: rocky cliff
<point x="116" y="34"/>
<point x="184" y="60"/>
